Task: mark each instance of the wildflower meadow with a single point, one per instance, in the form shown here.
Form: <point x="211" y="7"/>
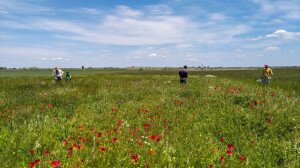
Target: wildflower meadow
<point x="146" y="118"/>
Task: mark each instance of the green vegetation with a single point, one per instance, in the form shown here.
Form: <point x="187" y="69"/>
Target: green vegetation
<point x="134" y="118"/>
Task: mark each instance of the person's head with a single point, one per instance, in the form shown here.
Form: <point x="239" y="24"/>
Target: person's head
<point x="68" y="73"/>
<point x="266" y="66"/>
<point x="185" y="67"/>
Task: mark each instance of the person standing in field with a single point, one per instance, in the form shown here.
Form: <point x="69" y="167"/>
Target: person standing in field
<point x="266" y="75"/>
<point x="183" y="73"/>
<point x="68" y="77"/>
<point x="57" y="74"/>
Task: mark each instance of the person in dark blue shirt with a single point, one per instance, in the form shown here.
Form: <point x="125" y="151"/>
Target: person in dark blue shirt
<point x="183" y="73"/>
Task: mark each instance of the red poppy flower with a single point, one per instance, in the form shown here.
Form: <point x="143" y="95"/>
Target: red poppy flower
<point x="99" y="134"/>
<point x="222" y="159"/>
<point x="155" y="137"/>
<point x="31" y="164"/>
<point x="108" y="131"/>
<point x="133" y="131"/>
<point x="222" y="139"/>
<point x="229" y="152"/>
<point x="65" y="142"/>
<point x="116" y="130"/>
<point x="139" y="143"/>
<point x="102" y="149"/>
<point x="242" y="158"/>
<point x="80" y="139"/>
<point x="147" y="125"/>
<point x="80" y="127"/>
<point x="55" y="163"/>
<point x="230" y="147"/>
<point x="46" y="152"/>
<point x="74" y="145"/>
<point x="50" y="105"/>
<point x="32" y="151"/>
<point x="37" y="161"/>
<point x="210" y="166"/>
<point x="120" y="122"/>
<point x="135" y="157"/>
<point x="113" y="140"/>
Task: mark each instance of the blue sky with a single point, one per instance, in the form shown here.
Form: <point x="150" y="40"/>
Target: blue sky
<point x="94" y="33"/>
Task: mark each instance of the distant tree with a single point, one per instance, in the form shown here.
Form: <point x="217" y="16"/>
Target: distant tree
<point x="3" y="68"/>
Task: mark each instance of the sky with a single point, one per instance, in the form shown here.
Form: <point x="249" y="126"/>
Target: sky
<point x="156" y="33"/>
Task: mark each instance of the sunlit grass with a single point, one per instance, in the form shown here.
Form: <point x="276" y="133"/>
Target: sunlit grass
<point x="147" y="120"/>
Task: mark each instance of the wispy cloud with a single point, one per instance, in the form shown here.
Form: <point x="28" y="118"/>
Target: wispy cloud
<point x="32" y="52"/>
<point x="19" y="7"/>
<point x="279" y="34"/>
<point x="131" y="27"/>
<point x="217" y="17"/>
<point x="159" y="10"/>
<point x="288" y="9"/>
<point x="272" y="48"/>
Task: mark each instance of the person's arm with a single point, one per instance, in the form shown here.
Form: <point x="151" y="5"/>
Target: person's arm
<point x="271" y="72"/>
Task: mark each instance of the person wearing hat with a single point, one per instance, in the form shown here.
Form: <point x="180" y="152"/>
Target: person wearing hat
<point x="57" y="74"/>
<point x="266" y="75"/>
<point x="183" y="73"/>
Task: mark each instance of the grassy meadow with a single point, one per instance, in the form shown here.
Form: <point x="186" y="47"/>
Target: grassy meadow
<point x="134" y="118"/>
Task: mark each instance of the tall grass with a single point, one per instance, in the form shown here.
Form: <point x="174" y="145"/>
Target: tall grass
<point x="141" y="120"/>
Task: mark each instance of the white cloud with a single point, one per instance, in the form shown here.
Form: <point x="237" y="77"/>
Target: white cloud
<point x="91" y="11"/>
<point x="184" y="45"/>
<point x="271" y="48"/>
<point x="288" y="9"/>
<point x="217" y="17"/>
<point x="283" y="34"/>
<point x="57" y="58"/>
<point x="159" y="10"/>
<point x="22" y="7"/>
<point x="193" y="59"/>
<point x="32" y="52"/>
<point x="278" y="34"/>
<point x="152" y="55"/>
<point x="129" y="27"/>
<point x="126" y="11"/>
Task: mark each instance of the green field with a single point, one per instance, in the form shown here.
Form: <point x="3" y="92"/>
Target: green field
<point x="144" y="118"/>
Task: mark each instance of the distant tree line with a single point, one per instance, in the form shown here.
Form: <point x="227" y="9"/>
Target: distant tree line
<point x="146" y="68"/>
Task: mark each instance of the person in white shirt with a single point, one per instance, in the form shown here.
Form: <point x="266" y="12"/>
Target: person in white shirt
<point x="57" y="74"/>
